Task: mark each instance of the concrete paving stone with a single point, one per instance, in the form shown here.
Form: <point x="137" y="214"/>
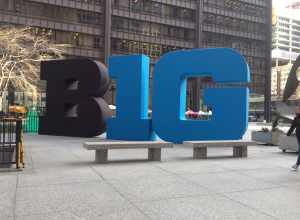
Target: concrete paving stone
<point x="295" y="185"/>
<point x="211" y="207"/>
<point x="278" y="176"/>
<point x="81" y="208"/>
<point x="227" y="182"/>
<point x="7" y="195"/>
<point x="284" y="161"/>
<point x="127" y="170"/>
<point x="130" y="214"/>
<point x="195" y="166"/>
<point x="157" y="187"/>
<point x="84" y="198"/>
<point x="7" y="182"/>
<point x="243" y="164"/>
<point x="94" y="210"/>
<point x="63" y="215"/>
<point x="84" y="190"/>
<point x="41" y="177"/>
<point x="52" y="155"/>
<point x="178" y="152"/>
<point x="6" y="211"/>
<point x="6" y="217"/>
<point x="59" y="184"/>
<point x="282" y="203"/>
<point x="219" y="152"/>
<point x="127" y="154"/>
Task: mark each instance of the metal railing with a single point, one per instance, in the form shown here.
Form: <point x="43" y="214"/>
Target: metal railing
<point x="11" y="149"/>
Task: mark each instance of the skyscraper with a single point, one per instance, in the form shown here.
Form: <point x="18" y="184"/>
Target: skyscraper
<point x="99" y="28"/>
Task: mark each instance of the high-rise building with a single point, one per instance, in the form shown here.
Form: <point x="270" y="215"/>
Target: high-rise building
<point x="99" y="28"/>
<point x="285" y="43"/>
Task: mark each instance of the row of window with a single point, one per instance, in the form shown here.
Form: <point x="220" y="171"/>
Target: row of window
<point x="152" y="29"/>
<point x="286" y="48"/>
<point x="73" y="38"/>
<point x="257" y="65"/>
<point x="234" y="24"/>
<point x="135" y="47"/>
<point x="288" y="20"/>
<point x="155" y="50"/>
<point x="243" y="45"/>
<point x="287" y="32"/>
<point x="95" y="2"/>
<point x="155" y="8"/>
<point x="54" y="12"/>
<point x="287" y="26"/>
<point x="237" y="6"/>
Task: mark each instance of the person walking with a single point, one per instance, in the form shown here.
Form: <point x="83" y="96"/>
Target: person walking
<point x="296" y="124"/>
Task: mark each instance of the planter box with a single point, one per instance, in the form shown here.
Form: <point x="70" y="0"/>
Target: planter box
<point x="271" y="138"/>
<point x="288" y="143"/>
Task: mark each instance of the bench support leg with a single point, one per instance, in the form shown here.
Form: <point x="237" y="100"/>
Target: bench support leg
<point x="200" y="153"/>
<point x="101" y="156"/>
<point x="240" y="151"/>
<point x="154" y="154"/>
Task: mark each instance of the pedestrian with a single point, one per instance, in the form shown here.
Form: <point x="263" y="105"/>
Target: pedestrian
<point x="296" y="124"/>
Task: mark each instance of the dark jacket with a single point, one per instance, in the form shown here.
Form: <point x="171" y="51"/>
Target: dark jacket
<point x="295" y="124"/>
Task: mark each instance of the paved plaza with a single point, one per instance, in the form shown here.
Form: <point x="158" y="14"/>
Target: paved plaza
<point x="61" y="182"/>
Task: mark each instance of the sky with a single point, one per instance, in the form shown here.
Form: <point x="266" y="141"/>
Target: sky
<point x="283" y="3"/>
<point x="280" y="7"/>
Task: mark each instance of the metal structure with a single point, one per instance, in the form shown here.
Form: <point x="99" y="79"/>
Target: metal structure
<point x="99" y="28"/>
<point x="11" y="143"/>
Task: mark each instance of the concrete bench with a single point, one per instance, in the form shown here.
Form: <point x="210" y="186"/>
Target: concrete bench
<point x="101" y="148"/>
<point x="240" y="147"/>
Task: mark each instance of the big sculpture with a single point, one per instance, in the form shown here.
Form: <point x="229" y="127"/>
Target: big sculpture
<point x="75" y="106"/>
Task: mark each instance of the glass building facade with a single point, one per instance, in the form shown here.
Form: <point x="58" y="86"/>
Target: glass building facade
<point x="100" y="28"/>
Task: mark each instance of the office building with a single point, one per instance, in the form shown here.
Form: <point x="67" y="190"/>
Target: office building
<point x="99" y="28"/>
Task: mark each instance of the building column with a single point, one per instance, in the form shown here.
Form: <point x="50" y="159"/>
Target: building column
<point x="196" y="82"/>
<point x="107" y="30"/>
<point x="267" y="104"/>
<point x="11" y="5"/>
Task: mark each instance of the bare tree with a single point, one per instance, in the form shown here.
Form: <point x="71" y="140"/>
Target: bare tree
<point x="21" y="51"/>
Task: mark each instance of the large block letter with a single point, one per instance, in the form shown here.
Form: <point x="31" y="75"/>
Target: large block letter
<point x="230" y="105"/>
<point x="132" y="76"/>
<point x="74" y="103"/>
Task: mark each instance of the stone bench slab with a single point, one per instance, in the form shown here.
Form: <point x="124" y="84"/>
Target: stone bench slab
<point x="102" y="147"/>
<point x="126" y="145"/>
<point x="240" y="147"/>
<point x="218" y="143"/>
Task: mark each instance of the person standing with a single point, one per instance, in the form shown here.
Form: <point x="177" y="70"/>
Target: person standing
<point x="296" y="125"/>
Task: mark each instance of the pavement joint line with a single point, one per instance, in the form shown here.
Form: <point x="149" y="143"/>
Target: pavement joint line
<point x="122" y="195"/>
<point x="253" y="190"/>
<point x="176" y="198"/>
<point x="91" y="167"/>
<point x="246" y="190"/>
<point x="59" y="184"/>
<point x="223" y="194"/>
<point x="207" y="195"/>
<point x="250" y="207"/>
<point x="15" y="198"/>
<point x="179" y="174"/>
<point x="190" y="181"/>
<point x="116" y="190"/>
<point x="266" y="181"/>
<point x="42" y="213"/>
<point x="214" y="192"/>
<point x="259" y="154"/>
